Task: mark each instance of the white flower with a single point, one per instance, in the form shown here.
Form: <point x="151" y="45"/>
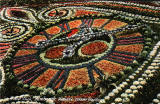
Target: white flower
<point x="111" y="94"/>
<point x="143" y="82"/>
<point x="156" y="67"/>
<point x="156" y="101"/>
<point x="156" y="61"/>
<point x="131" y="77"/>
<point x="137" y="72"/>
<point x="150" y="75"/>
<point x="126" y="100"/>
<point x="102" y="101"/>
<point x="133" y="87"/>
<point x="106" y="97"/>
<point x="131" y="95"/>
<point x="135" y="83"/>
<point x="49" y="101"/>
<point x="118" y="100"/>
<point x="139" y="87"/>
<point x="124" y="95"/>
<point x="135" y="91"/>
<point x="128" y="91"/>
<point x="144" y="75"/>
<point x="125" y="83"/>
<point x="145" y="62"/>
<point x="115" y="91"/>
<point x="139" y="69"/>
<point x="140" y="79"/>
<point x="158" y="96"/>
<point x="147" y="71"/>
<point x="119" y="88"/>
<point x="127" y="80"/>
<point x="122" y="85"/>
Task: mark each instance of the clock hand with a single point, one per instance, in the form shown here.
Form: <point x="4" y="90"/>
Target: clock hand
<point x="70" y="50"/>
<point x="84" y="35"/>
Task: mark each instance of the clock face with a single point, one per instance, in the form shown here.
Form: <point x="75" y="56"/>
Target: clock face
<point x="80" y="51"/>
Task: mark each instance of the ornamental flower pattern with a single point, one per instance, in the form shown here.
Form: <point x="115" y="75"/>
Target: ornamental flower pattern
<point x="112" y="53"/>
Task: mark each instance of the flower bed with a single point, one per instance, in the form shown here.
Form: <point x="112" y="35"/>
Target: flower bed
<point x="94" y="48"/>
<point x="110" y="48"/>
<point x="137" y="48"/>
<point x="56" y="52"/>
<point x="109" y="67"/>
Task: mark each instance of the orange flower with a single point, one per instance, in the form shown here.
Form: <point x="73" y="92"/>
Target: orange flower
<point x="134" y="48"/>
<point x="37" y="38"/>
<point x="55" y="52"/>
<point x="74" y="24"/>
<point x="77" y="77"/>
<point x="94" y="48"/>
<point x="25" y="52"/>
<point x="84" y="12"/>
<point x="114" y="24"/>
<point x="99" y="22"/>
<point x="129" y="35"/>
<point x="109" y="67"/>
<point x="44" y="78"/>
<point x="53" y="30"/>
<point x="24" y="68"/>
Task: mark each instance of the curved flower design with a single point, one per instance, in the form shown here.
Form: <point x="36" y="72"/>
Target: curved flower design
<point x="13" y="14"/>
<point x="13" y="32"/>
<point x="70" y="46"/>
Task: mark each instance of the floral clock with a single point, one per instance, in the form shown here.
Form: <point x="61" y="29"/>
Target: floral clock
<point x="63" y="49"/>
<point x="100" y="49"/>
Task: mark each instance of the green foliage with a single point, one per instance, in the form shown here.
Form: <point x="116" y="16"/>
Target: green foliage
<point x="148" y="43"/>
<point x="32" y="87"/>
<point x="90" y="85"/>
<point x="43" y="93"/>
<point x="69" y="88"/>
<point x="19" y="83"/>
<point x="148" y="39"/>
<point x="59" y="91"/>
<point x="79" y="87"/>
<point x="7" y="70"/>
<point x="144" y="54"/>
<point x="51" y="93"/>
<point x="113" y="77"/>
<point x="25" y="86"/>
<point x="40" y="89"/>
<point x="10" y="76"/>
<point x="146" y="48"/>
<point x="135" y="62"/>
<point x="129" y="68"/>
<point x="122" y="73"/>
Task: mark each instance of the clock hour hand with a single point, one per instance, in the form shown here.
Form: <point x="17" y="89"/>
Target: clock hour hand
<point x="76" y="37"/>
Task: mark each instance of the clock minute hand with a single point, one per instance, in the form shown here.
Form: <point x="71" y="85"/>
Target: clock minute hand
<point x="83" y="36"/>
<point x="70" y="50"/>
